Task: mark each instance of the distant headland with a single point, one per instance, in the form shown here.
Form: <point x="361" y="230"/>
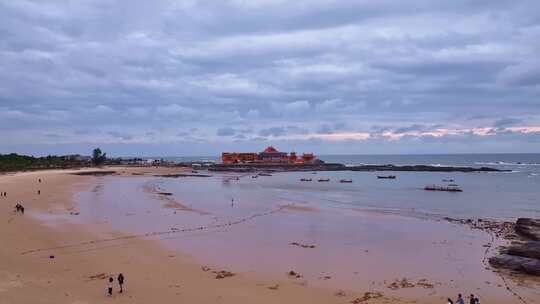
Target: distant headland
<point x="270" y="159"/>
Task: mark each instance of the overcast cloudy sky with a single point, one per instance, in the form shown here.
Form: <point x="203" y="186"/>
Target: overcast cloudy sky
<point x="141" y="77"/>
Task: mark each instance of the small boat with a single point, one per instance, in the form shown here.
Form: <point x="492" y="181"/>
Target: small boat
<point x="313" y="172"/>
<point x="449" y="188"/>
<point x="345" y="180"/>
<point x="305" y="179"/>
<point x="323" y="180"/>
<point x="449" y="180"/>
<point x="265" y="174"/>
<point x="386" y="177"/>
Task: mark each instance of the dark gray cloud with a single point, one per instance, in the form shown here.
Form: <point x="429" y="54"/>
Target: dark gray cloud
<point x="275" y="131"/>
<point x="505" y="122"/>
<point x="302" y="74"/>
<point x="226" y="131"/>
<point x="120" y="135"/>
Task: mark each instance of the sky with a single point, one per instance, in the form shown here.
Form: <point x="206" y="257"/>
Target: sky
<point x="179" y="78"/>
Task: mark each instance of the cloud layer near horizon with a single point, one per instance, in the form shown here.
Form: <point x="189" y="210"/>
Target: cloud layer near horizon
<point x="199" y="77"/>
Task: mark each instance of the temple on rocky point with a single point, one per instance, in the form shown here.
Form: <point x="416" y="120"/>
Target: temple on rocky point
<point x="269" y="155"/>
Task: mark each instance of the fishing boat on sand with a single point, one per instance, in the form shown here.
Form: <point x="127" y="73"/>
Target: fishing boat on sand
<point x="345" y="180"/>
<point x="323" y="180"/>
<point x="449" y="188"/>
<point x="386" y="177"/>
<point x="265" y="174"/>
<point x="305" y="179"/>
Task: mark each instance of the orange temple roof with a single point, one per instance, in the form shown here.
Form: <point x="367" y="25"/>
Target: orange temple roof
<point x="270" y="149"/>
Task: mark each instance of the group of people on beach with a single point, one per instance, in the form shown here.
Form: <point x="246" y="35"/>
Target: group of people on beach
<point x="120" y="280"/>
<point x="4" y="194"/>
<point x="460" y="300"/>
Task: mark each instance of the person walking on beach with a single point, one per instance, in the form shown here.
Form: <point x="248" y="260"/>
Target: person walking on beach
<point x="472" y="299"/>
<point x="460" y="299"/>
<point x="19" y="208"/>
<point x="109" y="287"/>
<point x="121" y="281"/>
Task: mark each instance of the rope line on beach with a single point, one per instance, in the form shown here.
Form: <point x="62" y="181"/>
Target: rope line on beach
<point x="499" y="274"/>
<point x="490" y="244"/>
<point x="158" y="233"/>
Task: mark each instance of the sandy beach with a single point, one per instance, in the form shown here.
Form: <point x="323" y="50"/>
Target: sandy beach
<point x="57" y="253"/>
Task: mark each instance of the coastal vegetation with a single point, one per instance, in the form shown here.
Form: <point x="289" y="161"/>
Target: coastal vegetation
<point x="18" y="162"/>
<point x="15" y="162"/>
<point x="98" y="157"/>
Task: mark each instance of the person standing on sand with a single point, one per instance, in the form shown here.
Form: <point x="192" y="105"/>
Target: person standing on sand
<point x="121" y="281"/>
<point x="460" y="299"/>
<point x="109" y="287"/>
<point x="472" y="299"/>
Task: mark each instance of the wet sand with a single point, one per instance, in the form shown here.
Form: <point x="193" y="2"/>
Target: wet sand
<point x="95" y="226"/>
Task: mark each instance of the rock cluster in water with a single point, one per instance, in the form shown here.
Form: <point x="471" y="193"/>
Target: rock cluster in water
<point x="522" y="256"/>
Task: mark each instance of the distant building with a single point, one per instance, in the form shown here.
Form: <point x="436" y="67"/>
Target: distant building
<point x="269" y="155"/>
<point x="232" y="158"/>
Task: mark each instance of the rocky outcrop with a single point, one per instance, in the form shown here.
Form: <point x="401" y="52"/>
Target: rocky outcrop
<point x="516" y="263"/>
<point x="528" y="228"/>
<point x="252" y="167"/>
<point x="523" y="256"/>
<point x="526" y="250"/>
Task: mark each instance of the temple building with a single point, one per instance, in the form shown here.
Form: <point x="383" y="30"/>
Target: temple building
<point x="269" y="155"/>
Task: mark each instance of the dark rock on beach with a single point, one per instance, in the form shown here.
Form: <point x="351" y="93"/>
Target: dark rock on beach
<point x="529" y="228"/>
<point x="527" y="250"/>
<point x="182" y="175"/>
<point x="516" y="263"/>
<point x="524" y="255"/>
<point x="94" y="173"/>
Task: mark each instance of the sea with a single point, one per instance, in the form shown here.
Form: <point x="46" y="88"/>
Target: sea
<point x="502" y="195"/>
<point x="239" y="222"/>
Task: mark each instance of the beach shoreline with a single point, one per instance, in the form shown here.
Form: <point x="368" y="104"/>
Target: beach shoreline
<point x="84" y="254"/>
<point x="29" y="274"/>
